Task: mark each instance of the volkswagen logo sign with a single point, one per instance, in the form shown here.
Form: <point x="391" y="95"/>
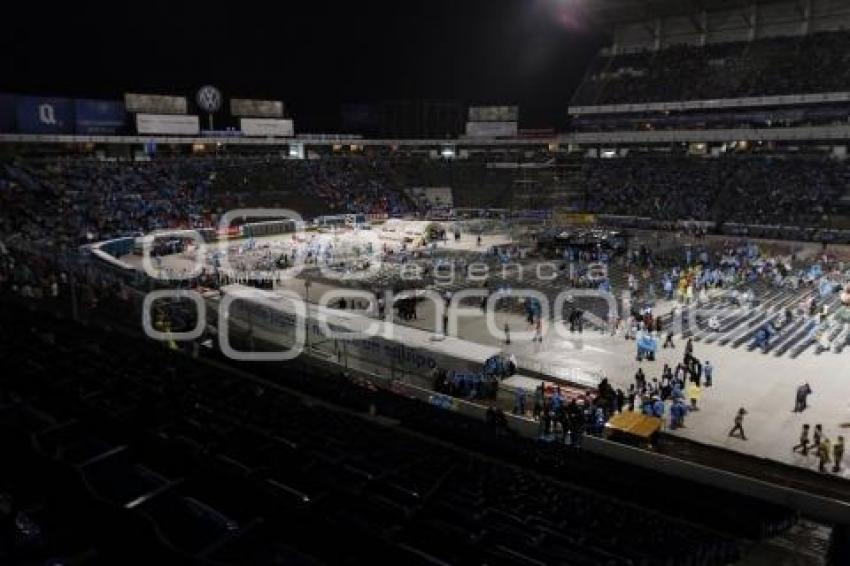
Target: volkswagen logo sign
<point x="209" y="99"/>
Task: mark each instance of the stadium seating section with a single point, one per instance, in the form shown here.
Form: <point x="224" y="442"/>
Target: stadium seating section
<point x="73" y="201"/>
<point x="750" y="189"/>
<point x="774" y="66"/>
<point x="770" y="117"/>
<point x="115" y="449"/>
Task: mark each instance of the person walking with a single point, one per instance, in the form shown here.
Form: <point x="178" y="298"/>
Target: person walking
<point x="694" y="395"/>
<point x="804" y="441"/>
<point x="824" y="451"/>
<point x="538" y="330"/>
<point x="507" y="334"/>
<point x="708" y="373"/>
<point x="640" y="378"/>
<point x="816" y="437"/>
<point x="838" y="454"/>
<point x="539" y="394"/>
<point x="738" y="429"/>
<point x="545" y="422"/>
<point x="803" y="393"/>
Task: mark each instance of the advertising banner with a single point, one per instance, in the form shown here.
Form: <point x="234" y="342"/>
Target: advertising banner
<point x="155" y="104"/>
<point x="491" y="129"/>
<point x="99" y="117"/>
<point x="493" y="113"/>
<point x="169" y="124"/>
<point x="42" y="115"/>
<point x="266" y="127"/>
<point x="567" y="218"/>
<point x="245" y="108"/>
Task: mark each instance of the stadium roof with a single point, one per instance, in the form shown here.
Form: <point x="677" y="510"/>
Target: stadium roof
<point x="612" y="12"/>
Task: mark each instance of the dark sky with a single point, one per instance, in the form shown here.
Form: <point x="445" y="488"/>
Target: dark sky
<point x="313" y="55"/>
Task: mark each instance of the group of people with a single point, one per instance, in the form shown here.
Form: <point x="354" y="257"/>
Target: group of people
<point x="681" y="387"/>
<point x="475" y="385"/>
<point x="749" y="190"/>
<point x="64" y="202"/>
<point x="68" y="201"/>
<point x="567" y="419"/>
<point x="820" y="445"/>
<point x="472" y="386"/>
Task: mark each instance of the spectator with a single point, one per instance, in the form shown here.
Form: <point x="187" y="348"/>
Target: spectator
<point x="804" y="441"/>
<point x="738" y="429"/>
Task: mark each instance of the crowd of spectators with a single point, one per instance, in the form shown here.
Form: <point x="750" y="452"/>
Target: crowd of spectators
<point x="772" y="66"/>
<point x="337" y="185"/>
<point x="64" y="202"/>
<point x="68" y="201"/>
<point x="750" y="190"/>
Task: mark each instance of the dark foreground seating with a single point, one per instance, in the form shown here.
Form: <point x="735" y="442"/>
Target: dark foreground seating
<point x="146" y="455"/>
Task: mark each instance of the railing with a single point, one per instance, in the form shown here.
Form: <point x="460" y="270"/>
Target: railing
<point x="713" y="104"/>
<point x="839" y="132"/>
<point x="798" y="233"/>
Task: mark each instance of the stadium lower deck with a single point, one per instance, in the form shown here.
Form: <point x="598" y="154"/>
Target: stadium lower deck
<point x="184" y="461"/>
<point x="764" y="381"/>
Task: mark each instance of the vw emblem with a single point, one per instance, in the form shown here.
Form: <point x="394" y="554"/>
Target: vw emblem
<point x="209" y="99"/>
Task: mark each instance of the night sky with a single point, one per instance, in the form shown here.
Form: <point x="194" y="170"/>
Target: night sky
<point x="313" y="55"/>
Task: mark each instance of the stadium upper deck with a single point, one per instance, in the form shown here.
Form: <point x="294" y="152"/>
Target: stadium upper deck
<point x="757" y="64"/>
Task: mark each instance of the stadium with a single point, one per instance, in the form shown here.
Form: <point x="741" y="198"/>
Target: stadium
<point x="439" y="328"/>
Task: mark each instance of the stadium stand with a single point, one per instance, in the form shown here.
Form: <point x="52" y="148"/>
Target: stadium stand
<point x="779" y="189"/>
<point x="772" y="66"/>
<point x="784" y="117"/>
<point x="312" y="187"/>
<point x="70" y="201"/>
<point x="77" y="199"/>
<point x="122" y="450"/>
<point x="208" y="466"/>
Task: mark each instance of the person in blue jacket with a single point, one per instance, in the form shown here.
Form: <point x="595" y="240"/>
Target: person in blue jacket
<point x="674" y="416"/>
<point x="678" y="410"/>
<point x="557" y="399"/>
<point x="599" y="421"/>
<point x="658" y="408"/>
